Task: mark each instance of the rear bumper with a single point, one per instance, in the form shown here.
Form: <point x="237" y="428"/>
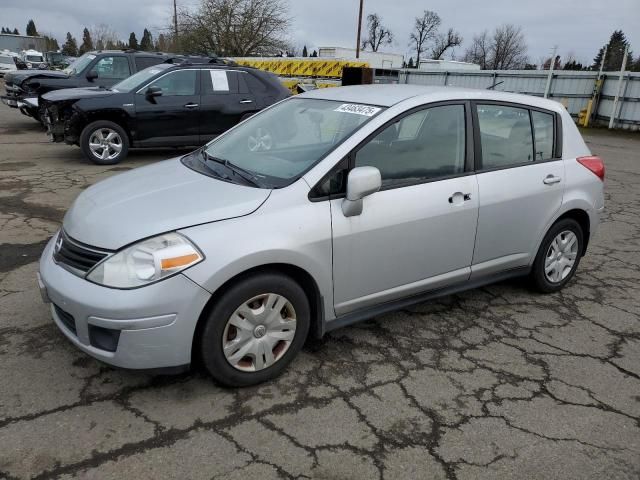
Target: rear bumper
<point x="145" y="328"/>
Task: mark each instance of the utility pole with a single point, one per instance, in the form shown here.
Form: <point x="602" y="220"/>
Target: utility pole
<point x="359" y="29"/>
<point x="612" y="117"/>
<point x="175" y="28"/>
<point x="552" y="64"/>
<point x="175" y="19"/>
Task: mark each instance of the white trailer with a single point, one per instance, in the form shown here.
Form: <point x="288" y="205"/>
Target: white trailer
<point x="375" y="59"/>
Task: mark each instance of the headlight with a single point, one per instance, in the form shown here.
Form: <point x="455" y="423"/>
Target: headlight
<point x="146" y="262"/>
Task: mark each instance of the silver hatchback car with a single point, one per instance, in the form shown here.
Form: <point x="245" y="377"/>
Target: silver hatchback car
<point x="325" y="209"/>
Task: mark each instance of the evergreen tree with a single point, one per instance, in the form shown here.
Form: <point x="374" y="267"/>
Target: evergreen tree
<point x="99" y="44"/>
<point x="15" y="31"/>
<point x="31" y="29"/>
<point x="87" y="43"/>
<point x="146" y="43"/>
<point x="51" y="44"/>
<point x="573" y="65"/>
<point x="161" y="43"/>
<point x="3" y="30"/>
<point x="305" y="53"/>
<point x="133" y="41"/>
<point x="315" y="53"/>
<point x="70" y="47"/>
<point x="615" y="53"/>
<point x="410" y="64"/>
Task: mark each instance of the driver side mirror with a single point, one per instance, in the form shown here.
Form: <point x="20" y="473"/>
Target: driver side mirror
<point x="92" y="75"/>
<point x="362" y="182"/>
<point x="153" y="92"/>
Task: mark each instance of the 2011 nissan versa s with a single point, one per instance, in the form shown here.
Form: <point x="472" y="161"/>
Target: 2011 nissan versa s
<point x="322" y="210"/>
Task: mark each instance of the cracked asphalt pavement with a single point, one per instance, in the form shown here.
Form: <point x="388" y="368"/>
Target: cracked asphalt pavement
<point x="493" y="383"/>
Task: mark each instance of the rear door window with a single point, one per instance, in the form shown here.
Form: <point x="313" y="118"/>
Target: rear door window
<point x="215" y="82"/>
<point x="505" y="136"/>
<point x="116" y="67"/>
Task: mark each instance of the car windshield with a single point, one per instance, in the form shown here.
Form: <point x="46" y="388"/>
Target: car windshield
<point x="79" y="64"/>
<point x="280" y="144"/>
<point x="34" y="58"/>
<point x="138" y="79"/>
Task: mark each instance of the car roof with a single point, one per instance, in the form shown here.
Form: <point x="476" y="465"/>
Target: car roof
<point x="387" y="95"/>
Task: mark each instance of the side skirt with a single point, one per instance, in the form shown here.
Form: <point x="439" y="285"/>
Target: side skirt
<point x="370" y="312"/>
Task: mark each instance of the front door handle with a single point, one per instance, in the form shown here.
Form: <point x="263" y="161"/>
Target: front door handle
<point x="191" y="105"/>
<point x="246" y="100"/>
<point x="551" y="179"/>
<point x="458" y="198"/>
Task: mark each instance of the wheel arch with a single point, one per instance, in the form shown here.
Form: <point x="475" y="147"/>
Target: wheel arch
<point x="296" y="273"/>
<point x="118" y="117"/>
<point x="582" y="217"/>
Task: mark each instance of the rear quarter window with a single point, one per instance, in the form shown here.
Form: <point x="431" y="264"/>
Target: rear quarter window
<point x="543" y="134"/>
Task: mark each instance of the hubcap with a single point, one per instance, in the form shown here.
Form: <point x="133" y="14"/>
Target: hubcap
<point x="260" y="141"/>
<point x="105" y="144"/>
<point x="259" y="332"/>
<point x="561" y="256"/>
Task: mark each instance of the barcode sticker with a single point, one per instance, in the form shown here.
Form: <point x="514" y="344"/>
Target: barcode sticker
<point x="366" y="110"/>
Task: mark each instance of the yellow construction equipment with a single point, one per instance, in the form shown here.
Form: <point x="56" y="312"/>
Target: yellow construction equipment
<point x="297" y="67"/>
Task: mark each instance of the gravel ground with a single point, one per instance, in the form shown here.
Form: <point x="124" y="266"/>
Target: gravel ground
<point x="493" y="383"/>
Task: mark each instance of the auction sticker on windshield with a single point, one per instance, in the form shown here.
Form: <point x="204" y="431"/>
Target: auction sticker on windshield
<point x="366" y="110"/>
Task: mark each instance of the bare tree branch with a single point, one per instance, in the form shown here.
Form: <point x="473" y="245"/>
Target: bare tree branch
<point x="424" y="29"/>
<point x="505" y="49"/>
<point x="445" y="42"/>
<point x="377" y="33"/>
<point x="235" y="27"/>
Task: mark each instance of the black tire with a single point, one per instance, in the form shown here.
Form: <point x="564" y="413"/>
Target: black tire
<point x="89" y="130"/>
<point x="538" y="277"/>
<point x="211" y="338"/>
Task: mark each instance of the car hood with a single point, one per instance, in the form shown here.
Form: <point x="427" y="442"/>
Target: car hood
<point x="76" y="93"/>
<point x="155" y="199"/>
<point x="20" y="76"/>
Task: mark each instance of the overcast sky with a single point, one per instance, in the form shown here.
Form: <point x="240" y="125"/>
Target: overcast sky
<point x="576" y="26"/>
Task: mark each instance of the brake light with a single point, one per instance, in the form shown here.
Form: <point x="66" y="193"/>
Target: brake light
<point x="593" y="163"/>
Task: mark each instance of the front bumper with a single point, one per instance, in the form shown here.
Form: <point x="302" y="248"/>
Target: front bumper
<point x="154" y="324"/>
<point x="13" y="96"/>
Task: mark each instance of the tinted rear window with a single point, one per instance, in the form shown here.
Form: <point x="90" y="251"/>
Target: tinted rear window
<point x="144" y="62"/>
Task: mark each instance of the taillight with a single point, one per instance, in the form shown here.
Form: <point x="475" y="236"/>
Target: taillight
<point x="593" y="163"/>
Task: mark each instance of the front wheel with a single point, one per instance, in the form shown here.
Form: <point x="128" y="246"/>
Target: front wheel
<point x="104" y="142"/>
<point x="255" y="330"/>
<point x="558" y="256"/>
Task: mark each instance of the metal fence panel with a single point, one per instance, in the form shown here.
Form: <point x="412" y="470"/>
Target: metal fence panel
<point x="572" y="89"/>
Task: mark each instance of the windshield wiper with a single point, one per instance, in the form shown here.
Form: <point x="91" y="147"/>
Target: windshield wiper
<point x="239" y="171"/>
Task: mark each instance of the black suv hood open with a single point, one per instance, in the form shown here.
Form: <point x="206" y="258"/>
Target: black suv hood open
<point x="76" y="94"/>
<point x="20" y="76"/>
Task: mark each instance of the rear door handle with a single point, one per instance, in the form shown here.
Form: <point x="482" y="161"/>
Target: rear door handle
<point x="191" y="105"/>
<point x="551" y="179"/>
<point x="246" y="100"/>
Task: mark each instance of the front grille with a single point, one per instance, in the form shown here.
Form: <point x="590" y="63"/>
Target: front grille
<point x="66" y="318"/>
<point x="77" y="255"/>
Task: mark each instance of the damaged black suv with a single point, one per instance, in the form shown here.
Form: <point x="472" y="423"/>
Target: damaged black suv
<point x="166" y="105"/>
<point x="102" y="68"/>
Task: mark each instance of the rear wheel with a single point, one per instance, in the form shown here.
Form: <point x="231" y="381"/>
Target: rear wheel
<point x="255" y="330"/>
<point x="104" y="142"/>
<point x="558" y="256"/>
